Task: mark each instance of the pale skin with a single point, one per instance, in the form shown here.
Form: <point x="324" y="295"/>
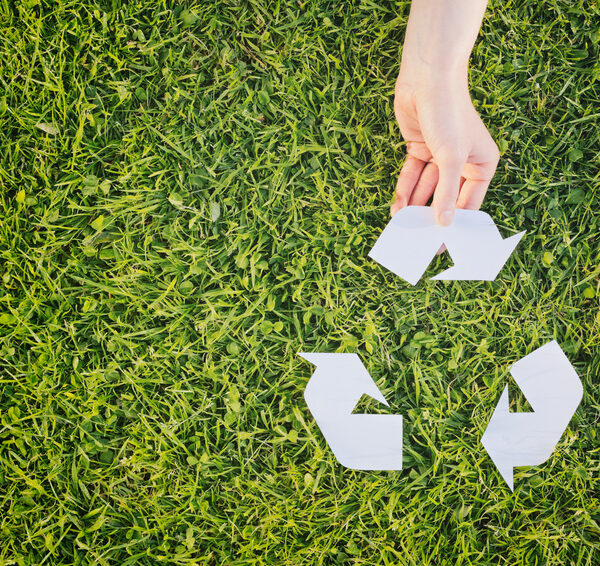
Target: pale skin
<point x="450" y="154"/>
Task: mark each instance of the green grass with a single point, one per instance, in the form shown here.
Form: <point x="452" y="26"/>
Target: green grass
<point x="187" y="197"/>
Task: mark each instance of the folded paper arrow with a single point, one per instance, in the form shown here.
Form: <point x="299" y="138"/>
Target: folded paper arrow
<point x="360" y="442"/>
<point x="554" y="391"/>
<point x="412" y="237"/>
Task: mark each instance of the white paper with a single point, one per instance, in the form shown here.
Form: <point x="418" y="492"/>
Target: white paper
<point x="554" y="391"/>
<point x="360" y="442"/>
<point x="412" y="237"/>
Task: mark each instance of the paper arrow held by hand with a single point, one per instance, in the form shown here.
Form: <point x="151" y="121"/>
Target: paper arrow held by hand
<point x="554" y="391"/>
<point x="412" y="237"/>
<point x="358" y="441"/>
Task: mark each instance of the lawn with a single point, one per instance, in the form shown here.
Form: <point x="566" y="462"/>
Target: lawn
<point x="188" y="193"/>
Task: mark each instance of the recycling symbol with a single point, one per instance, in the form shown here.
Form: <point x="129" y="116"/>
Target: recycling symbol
<point x="546" y="377"/>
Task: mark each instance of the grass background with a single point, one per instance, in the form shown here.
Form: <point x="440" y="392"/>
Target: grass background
<point x="188" y="193"/>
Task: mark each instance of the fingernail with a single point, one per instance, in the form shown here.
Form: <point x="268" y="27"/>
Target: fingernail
<point x="446" y="217"/>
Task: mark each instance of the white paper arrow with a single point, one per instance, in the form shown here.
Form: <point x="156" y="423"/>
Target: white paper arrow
<point x="554" y="391"/>
<point x="412" y="237"/>
<point x="360" y="442"/>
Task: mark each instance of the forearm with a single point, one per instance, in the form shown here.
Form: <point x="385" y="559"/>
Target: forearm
<point x="439" y="38"/>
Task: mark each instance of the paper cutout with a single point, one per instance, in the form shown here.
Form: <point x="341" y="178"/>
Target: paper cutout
<point x="554" y="391"/>
<point x="412" y="237"/>
<point x="359" y="442"/>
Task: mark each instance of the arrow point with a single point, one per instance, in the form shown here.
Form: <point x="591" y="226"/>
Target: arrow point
<point x="509" y="244"/>
<point x="482" y="268"/>
<point x="349" y="368"/>
<point x="503" y="252"/>
<point x="504" y="403"/>
<point x="314" y="358"/>
<point x="494" y="443"/>
<point x="308" y="357"/>
<point x="506" y="471"/>
<point x="376" y="394"/>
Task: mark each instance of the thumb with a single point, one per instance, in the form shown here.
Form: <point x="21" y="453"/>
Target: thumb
<point x="446" y="192"/>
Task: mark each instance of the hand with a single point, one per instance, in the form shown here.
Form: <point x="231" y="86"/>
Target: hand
<point x="451" y="155"/>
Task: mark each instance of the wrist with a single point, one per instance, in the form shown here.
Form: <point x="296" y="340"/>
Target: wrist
<point x="426" y="78"/>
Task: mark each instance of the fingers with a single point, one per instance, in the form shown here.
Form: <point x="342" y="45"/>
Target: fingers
<point x="478" y="179"/>
<point x="446" y="193"/>
<point x="452" y="182"/>
<point x="425" y="185"/>
<point x="408" y="178"/>
<point x="472" y="194"/>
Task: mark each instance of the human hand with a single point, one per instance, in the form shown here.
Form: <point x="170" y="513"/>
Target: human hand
<point x="451" y="155"/>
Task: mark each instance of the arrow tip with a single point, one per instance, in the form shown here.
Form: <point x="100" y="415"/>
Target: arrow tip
<point x="494" y="442"/>
<point x="511" y="243"/>
<point x="348" y="368"/>
<point x="505" y="250"/>
<point x="313" y="358"/>
<point x="484" y="268"/>
<point x="506" y="471"/>
<point x="317" y="358"/>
